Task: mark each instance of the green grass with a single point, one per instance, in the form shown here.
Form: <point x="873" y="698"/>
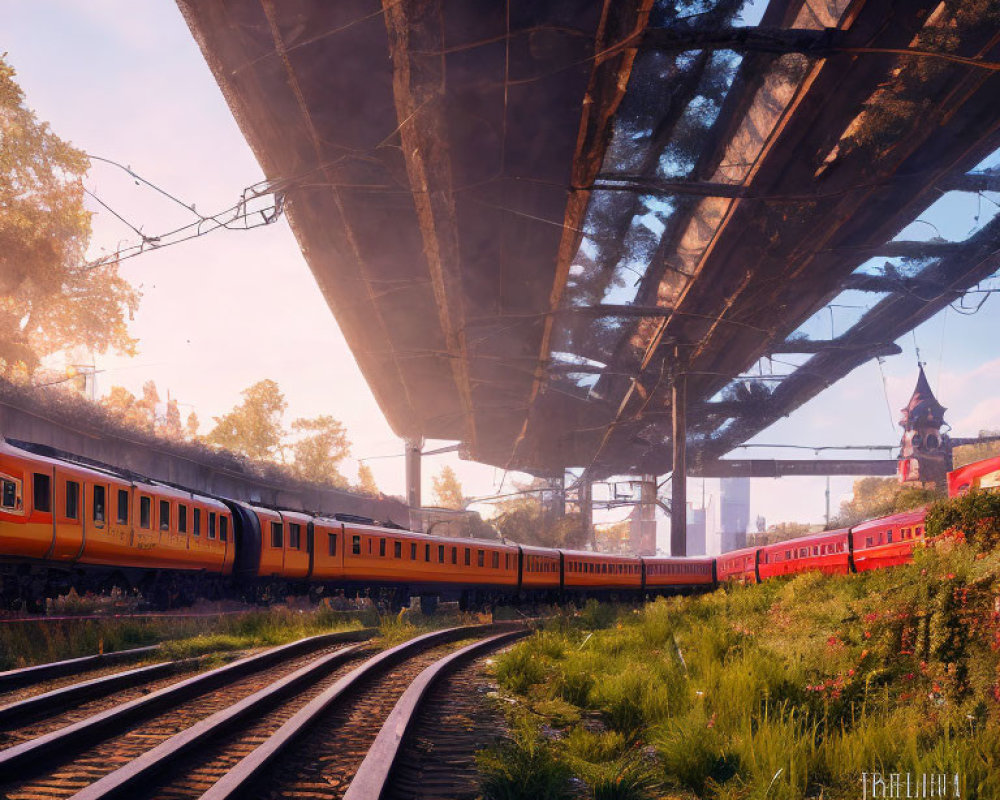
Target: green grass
<point x="783" y="691"/>
<point x="26" y="643"/>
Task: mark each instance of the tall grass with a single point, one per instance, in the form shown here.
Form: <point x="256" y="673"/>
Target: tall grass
<point x="783" y="691"/>
<point x="26" y="643"/>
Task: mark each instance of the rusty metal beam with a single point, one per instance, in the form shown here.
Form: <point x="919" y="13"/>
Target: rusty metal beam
<point x="779" y="468"/>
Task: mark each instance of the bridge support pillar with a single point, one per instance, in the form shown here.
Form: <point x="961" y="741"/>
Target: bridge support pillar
<point x="585" y="500"/>
<point x="413" y="447"/>
<point x="678" y="504"/>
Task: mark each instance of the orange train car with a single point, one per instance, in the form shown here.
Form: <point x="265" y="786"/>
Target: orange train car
<point x="886" y="542"/>
<point x="828" y="552"/>
<point x="541" y="569"/>
<point x="678" y="573"/>
<point x="600" y="571"/>
<point x="73" y="524"/>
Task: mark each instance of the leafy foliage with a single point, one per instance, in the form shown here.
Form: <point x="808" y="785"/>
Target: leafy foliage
<point x="976" y="516"/>
<point x="253" y="429"/>
<point x="321" y="448"/>
<point x="366" y="480"/>
<point x="49" y="299"/>
<point x="878" y="497"/>
<point x="447" y="489"/>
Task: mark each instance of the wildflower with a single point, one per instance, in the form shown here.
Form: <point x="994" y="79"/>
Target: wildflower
<point x="864" y="653"/>
<point x="850" y="672"/>
<point x="868" y="634"/>
<point x="950" y="575"/>
<point x="909" y="676"/>
<point x="871" y="617"/>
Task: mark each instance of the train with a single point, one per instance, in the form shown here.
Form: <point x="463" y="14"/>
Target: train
<point x="69" y="523"/>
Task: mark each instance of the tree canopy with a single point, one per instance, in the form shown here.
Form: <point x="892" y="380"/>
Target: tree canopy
<point x="253" y="428"/>
<point x="447" y="489"/>
<point x="366" y="480"/>
<point x="321" y="447"/>
<point x="50" y="299"/>
<point x="878" y="497"/>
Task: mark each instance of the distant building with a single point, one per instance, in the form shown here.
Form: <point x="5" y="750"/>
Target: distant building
<point x="696" y="531"/>
<point x="734" y="511"/>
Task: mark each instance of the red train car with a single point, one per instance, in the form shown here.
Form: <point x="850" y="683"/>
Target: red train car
<point x="678" y="573"/>
<point x="888" y="541"/>
<point x="738" y="565"/>
<point x="828" y="552"/>
<point x="981" y="475"/>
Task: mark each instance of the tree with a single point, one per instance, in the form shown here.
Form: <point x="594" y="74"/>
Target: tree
<point x="779" y="532"/>
<point x="147" y="405"/>
<point x="614" y="538"/>
<point x="878" y="497"/>
<point x="253" y="428"/>
<point x="447" y="489"/>
<point x="322" y="447"/>
<point x="191" y="426"/>
<point x="366" y="480"/>
<point x="49" y="298"/>
<point x="172" y="428"/>
<point x="526" y="519"/>
<point x="123" y="404"/>
<point x="967" y="454"/>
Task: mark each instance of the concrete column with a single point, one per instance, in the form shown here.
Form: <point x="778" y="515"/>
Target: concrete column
<point x="413" y="447"/>
<point x="678" y="504"/>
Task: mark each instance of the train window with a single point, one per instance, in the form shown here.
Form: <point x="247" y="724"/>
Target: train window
<point x="454" y="555"/>
<point x="98" y="504"/>
<point x="211" y="528"/>
<point x="331" y="544"/>
<point x="440" y="553"/>
<point x="356" y="545"/>
<point x="888" y="536"/>
<point x="413" y="552"/>
<point x="164" y="515"/>
<point x="369" y="540"/>
<point x="123" y="505"/>
<point x="278" y="535"/>
<point x="9" y="494"/>
<point x="43" y="492"/>
<point x="506" y="561"/>
<point x="869" y="541"/>
<point x="496" y="560"/>
<point x="223" y="527"/>
<point x="427" y="552"/>
<point x="182" y="518"/>
<point x="468" y="556"/>
<point x="397" y="549"/>
<point x="196" y="522"/>
<point x="145" y="512"/>
<point x="481" y="558"/>
<point x="72" y="500"/>
<point x="381" y="546"/>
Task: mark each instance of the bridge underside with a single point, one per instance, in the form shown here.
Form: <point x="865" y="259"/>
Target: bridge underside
<point x="530" y="216"/>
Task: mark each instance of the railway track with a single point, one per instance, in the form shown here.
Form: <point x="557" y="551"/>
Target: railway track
<point x="298" y="728"/>
<point x="75" y="746"/>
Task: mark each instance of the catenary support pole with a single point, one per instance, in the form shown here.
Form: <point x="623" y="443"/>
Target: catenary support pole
<point x="678" y="505"/>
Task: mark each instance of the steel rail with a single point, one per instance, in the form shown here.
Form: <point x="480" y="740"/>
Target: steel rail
<point x="127" y="780"/>
<point x="247" y="772"/>
<point x="63" y="697"/>
<point x="27" y="676"/>
<point x="22" y="760"/>
<point x="372" y="777"/>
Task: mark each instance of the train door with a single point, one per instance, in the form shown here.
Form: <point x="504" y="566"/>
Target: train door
<point x="70" y="515"/>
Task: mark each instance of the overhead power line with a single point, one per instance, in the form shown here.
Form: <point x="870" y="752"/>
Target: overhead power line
<point x="259" y="204"/>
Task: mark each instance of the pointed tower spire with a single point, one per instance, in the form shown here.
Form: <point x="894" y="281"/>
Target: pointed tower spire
<point x="924" y="454"/>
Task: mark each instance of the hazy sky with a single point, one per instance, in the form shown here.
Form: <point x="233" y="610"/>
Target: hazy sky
<point x="125" y="80"/>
